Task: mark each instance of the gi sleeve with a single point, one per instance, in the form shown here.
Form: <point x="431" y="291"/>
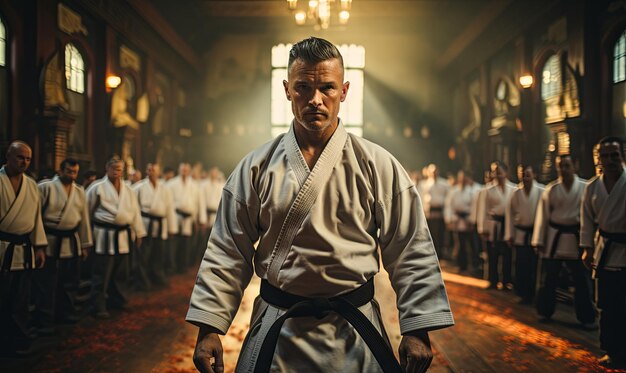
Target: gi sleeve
<point x="38" y="234"/>
<point x="588" y="224"/>
<point x="511" y="206"/>
<point x="137" y="224"/>
<point x="481" y="211"/>
<point x="84" y="228"/>
<point x="541" y="219"/>
<point x="227" y="265"/>
<point x="409" y="257"/>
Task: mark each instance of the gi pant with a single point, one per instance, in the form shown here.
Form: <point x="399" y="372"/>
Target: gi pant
<point x="14" y="316"/>
<point x="546" y="295"/>
<point x="525" y="272"/>
<point x="54" y="288"/>
<point x="140" y="258"/>
<point x="463" y="243"/>
<point x="437" y="231"/>
<point x="611" y="300"/>
<point x="180" y="253"/>
<point x="107" y="284"/>
<point x="155" y="260"/>
<point x="495" y="250"/>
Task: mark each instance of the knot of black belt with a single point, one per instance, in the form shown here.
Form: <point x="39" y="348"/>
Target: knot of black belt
<point x="117" y="229"/>
<point x="153" y="219"/>
<point x="13" y="240"/>
<point x="345" y="305"/>
<point x="498" y="234"/>
<point x="562" y="229"/>
<point x="528" y="232"/>
<point x="63" y="233"/>
<point x="609" y="237"/>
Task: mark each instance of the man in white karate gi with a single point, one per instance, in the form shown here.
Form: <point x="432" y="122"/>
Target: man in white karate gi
<point x="308" y="212"/>
<point x="191" y="215"/>
<point x="65" y="215"/>
<point x="22" y="244"/>
<point x="433" y="192"/>
<point x="520" y="220"/>
<point x="116" y="219"/>
<point x="603" y="238"/>
<point x="491" y="225"/>
<point x="557" y="227"/>
<point x="158" y="215"/>
<point x="457" y="214"/>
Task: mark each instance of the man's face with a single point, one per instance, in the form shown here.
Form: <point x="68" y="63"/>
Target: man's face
<point x="153" y="171"/>
<point x="115" y="171"/>
<point x="501" y="174"/>
<point x="184" y="169"/>
<point x="565" y="167"/>
<point x="528" y="176"/>
<point x="18" y="158"/>
<point x="610" y="159"/>
<point x="69" y="174"/>
<point x="316" y="91"/>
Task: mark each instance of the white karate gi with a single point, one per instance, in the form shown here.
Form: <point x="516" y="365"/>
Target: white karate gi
<point x="433" y="193"/>
<point x="19" y="215"/>
<point x="520" y="211"/>
<point x="107" y="206"/>
<point x="492" y="201"/>
<point x="559" y="206"/>
<point x="212" y="189"/>
<point x="65" y="212"/>
<point x="607" y="212"/>
<point x="459" y="201"/>
<point x="368" y="201"/>
<point x="188" y="199"/>
<point x="157" y="201"/>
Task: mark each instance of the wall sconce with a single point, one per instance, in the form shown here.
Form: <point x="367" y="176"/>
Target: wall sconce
<point x="113" y="81"/>
<point x="526" y="80"/>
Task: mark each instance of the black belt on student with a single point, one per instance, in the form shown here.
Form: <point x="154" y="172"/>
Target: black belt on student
<point x="435" y="209"/>
<point x="462" y="214"/>
<point x="610" y="237"/>
<point x="153" y="219"/>
<point x="117" y="229"/>
<point x="562" y="229"/>
<point x="344" y="305"/>
<point x="13" y="240"/>
<point x="182" y="213"/>
<point x="528" y="232"/>
<point x="498" y="234"/>
<point x="60" y="234"/>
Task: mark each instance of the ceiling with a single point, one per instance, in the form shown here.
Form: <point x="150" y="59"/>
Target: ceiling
<point x="445" y="24"/>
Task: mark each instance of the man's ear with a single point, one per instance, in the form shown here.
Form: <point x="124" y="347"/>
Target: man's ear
<point x="286" y="86"/>
<point x="344" y="90"/>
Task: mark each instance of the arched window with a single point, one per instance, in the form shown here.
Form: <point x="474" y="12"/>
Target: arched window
<point x="351" y="110"/>
<point x="4" y="85"/>
<point x="551" y="78"/>
<point x="74" y="69"/>
<point x="619" y="59"/>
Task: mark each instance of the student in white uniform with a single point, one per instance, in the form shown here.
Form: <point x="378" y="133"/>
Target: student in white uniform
<point x="320" y="202"/>
<point x="190" y="209"/>
<point x="159" y="218"/>
<point x="116" y="219"/>
<point x="557" y="227"/>
<point x="22" y="244"/>
<point x="520" y="220"/>
<point x="491" y="225"/>
<point x="603" y="238"/>
<point x="66" y="220"/>
<point x="457" y="214"/>
<point x="433" y="192"/>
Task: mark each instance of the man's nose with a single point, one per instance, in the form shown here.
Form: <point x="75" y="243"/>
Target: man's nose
<point x="316" y="99"/>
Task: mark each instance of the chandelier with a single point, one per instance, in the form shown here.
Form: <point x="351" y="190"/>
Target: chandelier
<point x="320" y="12"/>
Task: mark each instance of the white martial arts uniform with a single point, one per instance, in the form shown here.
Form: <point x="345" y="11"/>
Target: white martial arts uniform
<point x="433" y="193"/>
<point x="458" y="208"/>
<point x="212" y="189"/>
<point x="65" y="212"/>
<point x="562" y="207"/>
<point x="520" y="212"/>
<point x="156" y="201"/>
<point x="367" y="201"/>
<point x="107" y="206"/>
<point x="492" y="202"/>
<point x="20" y="215"/>
<point x="188" y="202"/>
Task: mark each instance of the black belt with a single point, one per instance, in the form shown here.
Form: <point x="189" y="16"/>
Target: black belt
<point x="562" y="229"/>
<point x="345" y="305"/>
<point x="63" y="233"/>
<point x="182" y="213"/>
<point x="13" y="240"/>
<point x="153" y="219"/>
<point x="497" y="234"/>
<point x="462" y="214"/>
<point x="610" y="238"/>
<point x="117" y="229"/>
<point x="528" y="232"/>
<point x="435" y="209"/>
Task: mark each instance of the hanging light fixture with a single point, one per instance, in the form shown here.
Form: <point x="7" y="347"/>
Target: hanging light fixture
<point x="320" y="13"/>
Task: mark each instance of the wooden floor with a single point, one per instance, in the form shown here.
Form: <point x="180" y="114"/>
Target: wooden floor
<point x="493" y="333"/>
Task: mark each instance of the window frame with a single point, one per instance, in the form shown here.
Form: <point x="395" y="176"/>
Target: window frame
<point x="75" y="74"/>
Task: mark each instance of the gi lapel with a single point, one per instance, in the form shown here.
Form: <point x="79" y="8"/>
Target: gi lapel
<point x="305" y="199"/>
<point x="13" y="212"/>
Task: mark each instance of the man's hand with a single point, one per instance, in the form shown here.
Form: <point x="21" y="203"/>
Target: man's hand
<point x="415" y="352"/>
<point x="84" y="253"/>
<point x="138" y="241"/>
<point x="208" y="355"/>
<point x="538" y="249"/>
<point x="40" y="258"/>
<point x="587" y="257"/>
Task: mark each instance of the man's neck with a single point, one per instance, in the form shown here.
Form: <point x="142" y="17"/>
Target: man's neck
<point x="528" y="187"/>
<point x="567" y="181"/>
<point x="312" y="143"/>
<point x="153" y="181"/>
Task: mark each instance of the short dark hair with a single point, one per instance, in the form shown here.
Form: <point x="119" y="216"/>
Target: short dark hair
<point x="113" y="160"/>
<point x="168" y="169"/>
<point x="314" y="50"/>
<point x="524" y="166"/>
<point x="69" y="162"/>
<point x="500" y="164"/>
<point x="611" y="140"/>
